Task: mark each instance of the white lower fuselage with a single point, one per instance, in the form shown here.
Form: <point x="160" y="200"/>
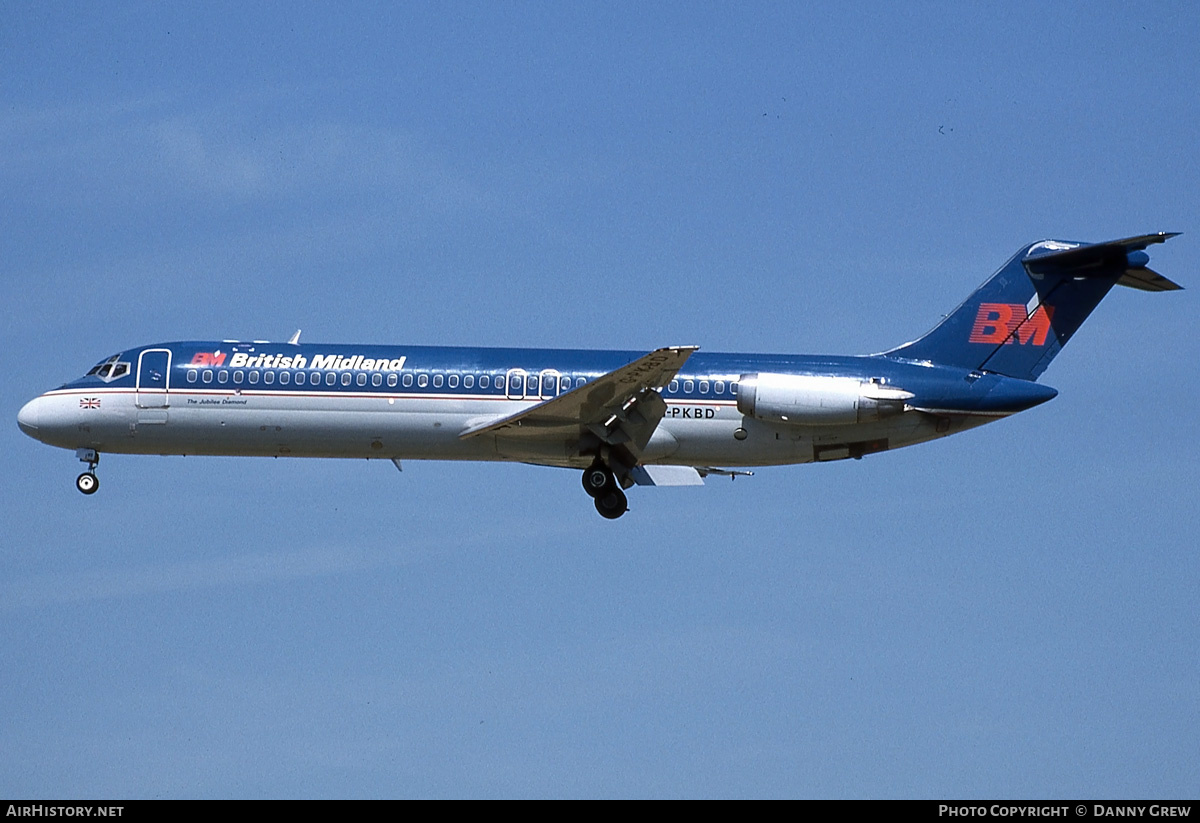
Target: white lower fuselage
<point x="422" y="427"/>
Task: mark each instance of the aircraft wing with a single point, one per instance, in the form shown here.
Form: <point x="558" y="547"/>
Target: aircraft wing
<point x="622" y="407"/>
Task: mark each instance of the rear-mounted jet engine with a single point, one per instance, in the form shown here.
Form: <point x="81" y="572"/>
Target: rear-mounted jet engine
<point x="807" y="400"/>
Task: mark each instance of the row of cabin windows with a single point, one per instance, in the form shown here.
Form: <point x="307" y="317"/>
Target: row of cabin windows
<point x="518" y="382"/>
<point x="690" y="386"/>
<point x="547" y="385"/>
<point x="285" y="377"/>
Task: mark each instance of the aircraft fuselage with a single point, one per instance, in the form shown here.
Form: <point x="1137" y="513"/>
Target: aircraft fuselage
<point x="413" y="402"/>
<point x="667" y="417"/>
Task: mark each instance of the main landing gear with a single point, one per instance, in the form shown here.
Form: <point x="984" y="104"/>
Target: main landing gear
<point x="87" y="482"/>
<point x="602" y="487"/>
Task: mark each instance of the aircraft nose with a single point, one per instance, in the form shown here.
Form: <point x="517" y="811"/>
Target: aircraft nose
<point x="27" y="417"/>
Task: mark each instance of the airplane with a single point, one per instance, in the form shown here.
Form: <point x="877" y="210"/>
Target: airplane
<point x="669" y="417"/>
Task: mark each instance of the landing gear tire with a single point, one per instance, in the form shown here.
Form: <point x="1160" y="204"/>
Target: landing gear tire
<point x="597" y="479"/>
<point x="87" y="483"/>
<point x="612" y="503"/>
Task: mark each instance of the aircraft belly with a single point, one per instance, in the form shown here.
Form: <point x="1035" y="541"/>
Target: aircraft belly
<point x="531" y="450"/>
<point x="747" y="441"/>
<point x="387" y="427"/>
<point x="251" y="424"/>
<point x="709" y="442"/>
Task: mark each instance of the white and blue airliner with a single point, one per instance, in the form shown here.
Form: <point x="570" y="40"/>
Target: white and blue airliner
<point x="668" y="417"/>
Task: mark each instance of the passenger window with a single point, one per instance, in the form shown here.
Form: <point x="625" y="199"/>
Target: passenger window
<point x="484" y="381"/>
<point x="207" y="376"/>
<point x="452" y="381"/>
<point x="253" y="377"/>
<point x="674" y="387"/>
<point x="377" y="379"/>
<point x="222" y="376"/>
<point x="719" y="387"/>
<point x="704" y="387"/>
<point x="422" y="380"/>
<point x="437" y="381"/>
<point x="407" y="380"/>
<point x="285" y="377"/>
<point x="579" y="381"/>
<point x="346" y="378"/>
<point x="688" y="386"/>
<point x="238" y="376"/>
<point x="468" y="381"/>
<point x="392" y="379"/>
<point x="268" y="377"/>
<point x="330" y="379"/>
<point x="361" y="379"/>
<point x="192" y="375"/>
<point x="564" y="384"/>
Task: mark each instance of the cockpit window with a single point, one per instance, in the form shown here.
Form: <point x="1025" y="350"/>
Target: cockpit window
<point x="110" y="369"/>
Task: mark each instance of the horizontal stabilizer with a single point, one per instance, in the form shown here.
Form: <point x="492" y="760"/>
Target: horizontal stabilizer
<point x="1147" y="280"/>
<point x="1101" y="259"/>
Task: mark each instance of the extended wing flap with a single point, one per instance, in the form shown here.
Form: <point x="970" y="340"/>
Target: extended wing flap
<point x="666" y="476"/>
<point x="601" y="405"/>
<point x="656" y="475"/>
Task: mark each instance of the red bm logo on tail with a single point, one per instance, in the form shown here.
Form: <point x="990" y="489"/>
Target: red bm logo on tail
<point x="998" y="323"/>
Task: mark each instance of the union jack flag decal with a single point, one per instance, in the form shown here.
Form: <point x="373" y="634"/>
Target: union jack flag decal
<point x="89" y="402"/>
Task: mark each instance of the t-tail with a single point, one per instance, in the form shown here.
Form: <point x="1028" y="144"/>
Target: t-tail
<point x="1018" y="320"/>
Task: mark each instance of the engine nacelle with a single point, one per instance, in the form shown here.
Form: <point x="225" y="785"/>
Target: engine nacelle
<point x="806" y="400"/>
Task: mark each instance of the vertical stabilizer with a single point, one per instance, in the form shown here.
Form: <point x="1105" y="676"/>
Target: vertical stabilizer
<point x="1018" y="320"/>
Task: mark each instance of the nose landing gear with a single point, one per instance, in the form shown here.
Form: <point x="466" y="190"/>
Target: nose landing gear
<point x="87" y="482"/>
<point x="602" y="487"/>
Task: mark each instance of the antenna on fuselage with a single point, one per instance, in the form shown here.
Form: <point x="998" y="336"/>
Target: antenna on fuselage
<point x="294" y="340"/>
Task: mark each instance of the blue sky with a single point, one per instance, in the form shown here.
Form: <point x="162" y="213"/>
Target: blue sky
<point x="1007" y="613"/>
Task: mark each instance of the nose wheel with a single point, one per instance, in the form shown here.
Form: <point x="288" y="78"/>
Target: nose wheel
<point x="602" y="487"/>
<point x="87" y="482"/>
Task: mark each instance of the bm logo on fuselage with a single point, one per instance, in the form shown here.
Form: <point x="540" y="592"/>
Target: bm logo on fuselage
<point x="998" y="323"/>
<point x="206" y="358"/>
